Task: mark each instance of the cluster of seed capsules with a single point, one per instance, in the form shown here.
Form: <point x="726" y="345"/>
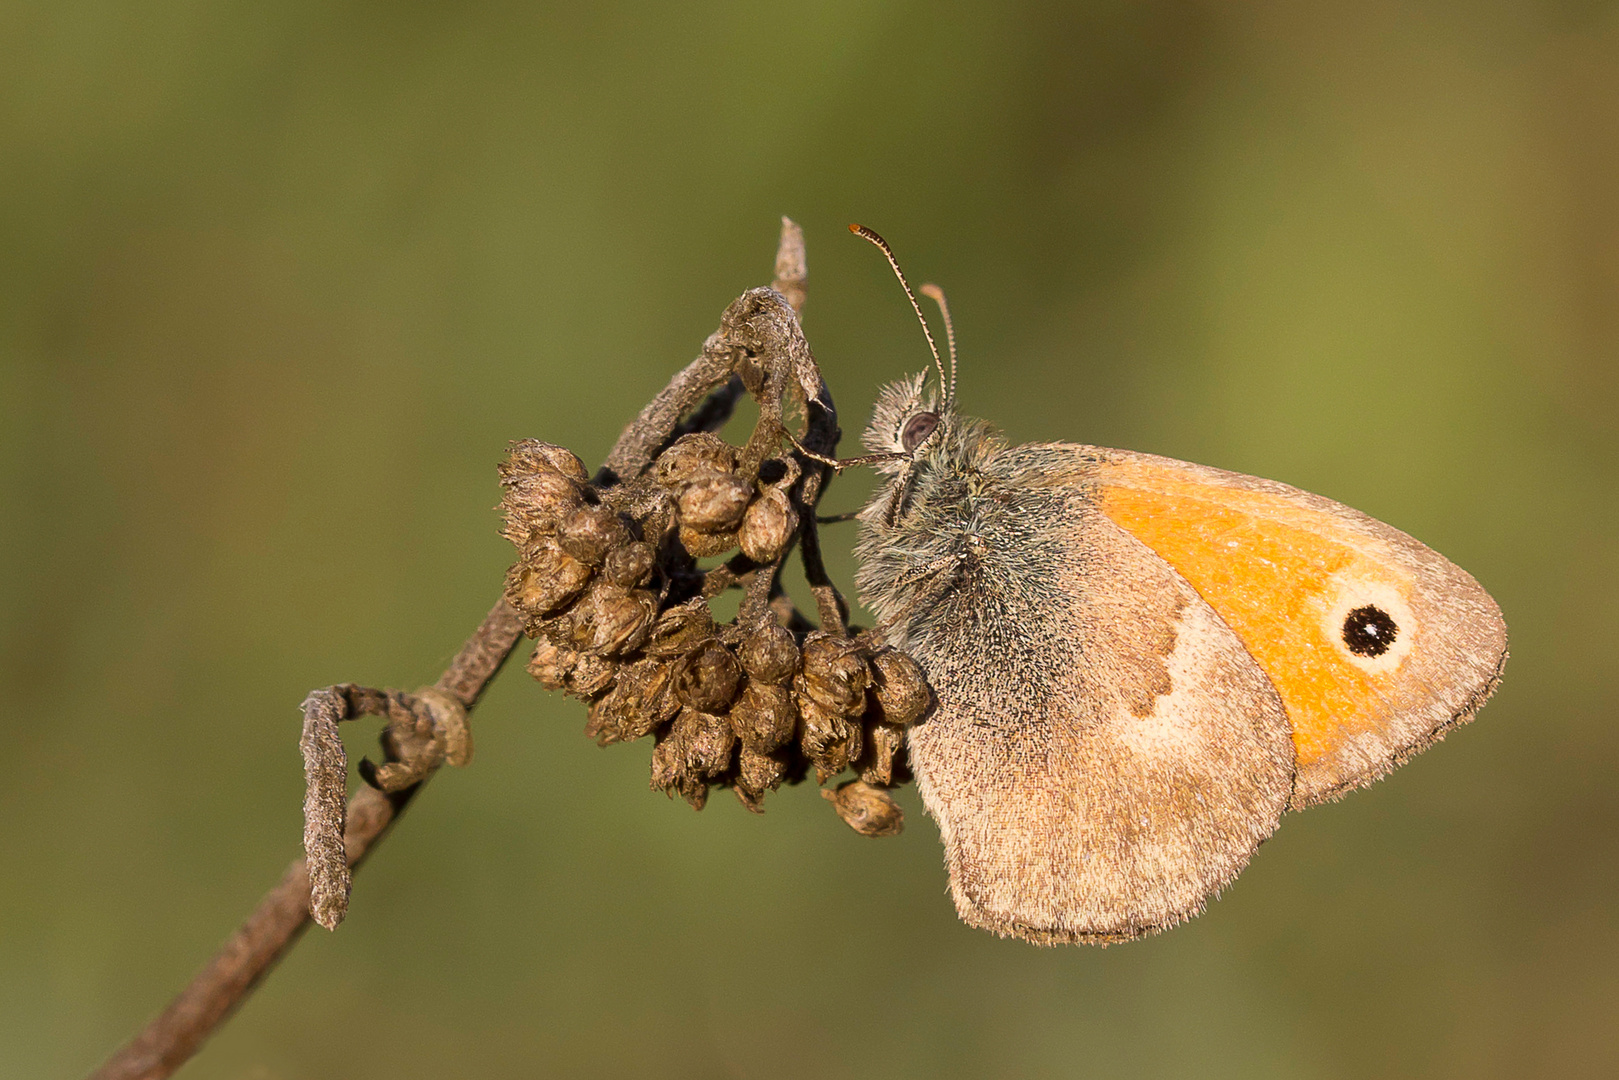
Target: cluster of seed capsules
<point x="615" y="601"/>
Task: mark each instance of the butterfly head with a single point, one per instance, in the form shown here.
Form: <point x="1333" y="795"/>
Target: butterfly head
<point x="906" y="422"/>
<point x="916" y="437"/>
<point x="911" y="421"/>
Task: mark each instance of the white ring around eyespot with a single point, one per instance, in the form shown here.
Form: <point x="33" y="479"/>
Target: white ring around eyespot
<point x="1347" y="592"/>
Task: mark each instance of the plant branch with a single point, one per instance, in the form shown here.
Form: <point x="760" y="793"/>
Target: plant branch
<point x="703" y="395"/>
<point x="699" y="398"/>
<point x="235" y="970"/>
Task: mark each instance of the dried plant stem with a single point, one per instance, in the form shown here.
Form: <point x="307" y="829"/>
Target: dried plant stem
<point x="215" y="991"/>
<point x="701" y="397"/>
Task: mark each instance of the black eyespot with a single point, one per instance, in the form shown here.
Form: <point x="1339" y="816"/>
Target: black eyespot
<point x="917" y="429"/>
<point x="1369" y="631"/>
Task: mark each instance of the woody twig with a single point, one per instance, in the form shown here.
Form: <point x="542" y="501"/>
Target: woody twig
<point x="236" y="969"/>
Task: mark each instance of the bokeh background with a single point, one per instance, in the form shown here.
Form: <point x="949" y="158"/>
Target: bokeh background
<point x="279" y="282"/>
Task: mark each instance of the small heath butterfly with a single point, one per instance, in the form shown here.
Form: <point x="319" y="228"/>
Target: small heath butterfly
<point x="1140" y="663"/>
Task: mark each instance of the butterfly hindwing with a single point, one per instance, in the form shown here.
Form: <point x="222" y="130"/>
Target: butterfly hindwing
<point x="1105" y="754"/>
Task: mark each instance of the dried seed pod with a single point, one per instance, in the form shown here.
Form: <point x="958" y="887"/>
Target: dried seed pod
<point x="899" y="687"/>
<point x="703" y="545"/>
<point x="680" y="628"/>
<point x="714" y="502"/>
<point x="692" y="454"/>
<point x="551" y="664"/>
<point x="869" y="811"/>
<point x="764" y="717"/>
<point x="883" y="743"/>
<point x="639" y="703"/>
<point x="544" y="578"/>
<point x="610" y="621"/>
<point x="536" y="454"/>
<point x="572" y="628"/>
<point x="706" y="678"/>
<point x="590" y="532"/>
<point x="519" y="530"/>
<point x="591" y="675"/>
<point x="767" y="526"/>
<point x="769" y="654"/>
<point x="557" y="628"/>
<point x="681" y="760"/>
<point x="757" y="772"/>
<point x="833" y="674"/>
<point x="660" y="522"/>
<point x="537" y="500"/>
<point x="642" y="700"/>
<point x="630" y="565"/>
<point x="830" y="740"/>
<point x="670" y="767"/>
<point x="601" y="723"/>
<point x="709" y="752"/>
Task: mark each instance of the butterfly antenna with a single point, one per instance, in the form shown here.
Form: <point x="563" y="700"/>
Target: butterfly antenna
<point x="882" y="245"/>
<point x="936" y="294"/>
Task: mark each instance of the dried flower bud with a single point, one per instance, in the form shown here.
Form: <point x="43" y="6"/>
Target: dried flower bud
<point x="709" y="752"/>
<point x="769" y="654"/>
<point x="642" y="700"/>
<point x="537" y="455"/>
<point x="671" y="771"/>
<point x="706" y="678"/>
<point x="591" y="675"/>
<point x="767" y="526"/>
<point x="537" y="499"/>
<point x="830" y="740"/>
<point x="660" y="522"/>
<point x="680" y="628"/>
<point x="764" y="717"/>
<point x="757" y="773"/>
<point x="556" y="628"/>
<point x="834" y="674"/>
<point x="630" y="565"/>
<point x="590" y="532"/>
<point x="601" y="723"/>
<point x="551" y="664"/>
<point x="703" y="545"/>
<point x="883" y="743"/>
<point x="692" y="454"/>
<point x="900" y="688"/>
<point x="869" y="811"/>
<point x="610" y="621"/>
<point x="544" y="578"/>
<point x="696" y="746"/>
<point x="715" y="502"/>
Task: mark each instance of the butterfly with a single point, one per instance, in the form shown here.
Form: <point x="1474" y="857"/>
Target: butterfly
<point x="1139" y="663"/>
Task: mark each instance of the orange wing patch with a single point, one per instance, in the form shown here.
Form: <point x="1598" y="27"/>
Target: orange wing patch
<point x="1279" y="578"/>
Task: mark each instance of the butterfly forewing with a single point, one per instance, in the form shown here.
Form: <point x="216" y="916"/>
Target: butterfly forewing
<point x="1376" y="644"/>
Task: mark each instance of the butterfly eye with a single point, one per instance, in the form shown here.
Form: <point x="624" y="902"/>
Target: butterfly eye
<point x="1369" y="631"/>
<point x="917" y="429"/>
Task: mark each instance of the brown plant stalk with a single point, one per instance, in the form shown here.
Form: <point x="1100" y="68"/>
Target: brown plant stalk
<point x="759" y="350"/>
<point x="236" y="969"/>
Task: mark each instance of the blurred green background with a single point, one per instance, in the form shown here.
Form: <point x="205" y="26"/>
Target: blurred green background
<point x="279" y="283"/>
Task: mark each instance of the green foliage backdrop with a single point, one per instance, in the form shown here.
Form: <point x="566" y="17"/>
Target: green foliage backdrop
<point x="279" y="282"/>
